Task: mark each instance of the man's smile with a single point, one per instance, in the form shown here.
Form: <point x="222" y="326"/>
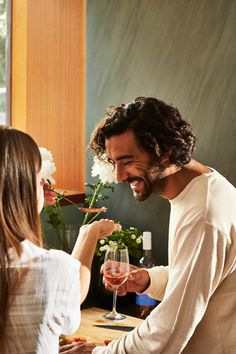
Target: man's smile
<point x="136" y="183"/>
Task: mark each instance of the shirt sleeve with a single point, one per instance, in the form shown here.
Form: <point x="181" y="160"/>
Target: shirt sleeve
<point x="158" y="281"/>
<point x="196" y="269"/>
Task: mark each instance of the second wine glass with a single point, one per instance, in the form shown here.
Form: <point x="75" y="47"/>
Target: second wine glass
<point x="115" y="271"/>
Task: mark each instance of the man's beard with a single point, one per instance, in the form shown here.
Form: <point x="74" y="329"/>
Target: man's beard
<point x="153" y="180"/>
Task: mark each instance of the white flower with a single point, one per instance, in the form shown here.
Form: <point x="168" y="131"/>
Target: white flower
<point x="48" y="165"/>
<point x="138" y="240"/>
<point x="103" y="248"/>
<point x="102" y="242"/>
<point x="133" y="237"/>
<point x="104" y="170"/>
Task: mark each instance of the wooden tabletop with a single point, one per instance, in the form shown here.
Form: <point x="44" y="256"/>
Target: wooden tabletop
<point x="92" y="322"/>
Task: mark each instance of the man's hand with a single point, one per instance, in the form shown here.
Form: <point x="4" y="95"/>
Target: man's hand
<point x="77" y="348"/>
<point x="138" y="280"/>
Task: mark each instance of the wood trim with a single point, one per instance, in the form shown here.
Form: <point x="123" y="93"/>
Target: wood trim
<point x="73" y="196"/>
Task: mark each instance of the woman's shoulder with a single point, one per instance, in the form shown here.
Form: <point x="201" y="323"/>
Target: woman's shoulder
<point x="62" y="268"/>
<point x="52" y="259"/>
<point x="58" y="269"/>
<point x="63" y="258"/>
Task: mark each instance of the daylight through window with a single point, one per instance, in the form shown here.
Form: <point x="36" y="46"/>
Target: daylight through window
<point x="3" y="61"/>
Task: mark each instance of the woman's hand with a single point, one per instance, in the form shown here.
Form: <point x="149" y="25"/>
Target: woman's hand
<point x="100" y="228"/>
<point x="49" y="195"/>
<point x="104" y="227"/>
<point x="77" y="348"/>
<point x="85" y="246"/>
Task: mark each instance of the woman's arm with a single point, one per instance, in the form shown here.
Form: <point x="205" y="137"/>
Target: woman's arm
<point x="85" y="247"/>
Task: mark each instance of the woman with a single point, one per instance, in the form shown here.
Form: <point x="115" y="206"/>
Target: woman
<point x="40" y="290"/>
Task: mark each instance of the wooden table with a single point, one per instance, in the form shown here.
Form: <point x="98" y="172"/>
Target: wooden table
<point x="92" y="321"/>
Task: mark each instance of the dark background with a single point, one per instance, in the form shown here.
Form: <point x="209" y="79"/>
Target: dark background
<point x="181" y="51"/>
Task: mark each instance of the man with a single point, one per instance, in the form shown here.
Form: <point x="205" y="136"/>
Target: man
<point x="151" y="148"/>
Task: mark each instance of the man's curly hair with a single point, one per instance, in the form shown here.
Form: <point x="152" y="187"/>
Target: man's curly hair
<point x="157" y="126"/>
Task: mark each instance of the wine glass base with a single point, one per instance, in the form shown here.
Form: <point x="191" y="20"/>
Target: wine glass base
<point x="114" y="316"/>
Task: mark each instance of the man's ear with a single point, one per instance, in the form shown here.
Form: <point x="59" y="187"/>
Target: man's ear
<point x="163" y="158"/>
<point x="165" y="161"/>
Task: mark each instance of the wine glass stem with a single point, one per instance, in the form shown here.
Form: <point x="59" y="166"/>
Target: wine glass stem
<point x="114" y="300"/>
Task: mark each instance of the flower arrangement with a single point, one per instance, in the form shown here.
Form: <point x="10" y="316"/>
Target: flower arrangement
<point x="54" y="212"/>
<point x="130" y="237"/>
<point x="100" y="168"/>
<point x="105" y="173"/>
<point x="48" y="165"/>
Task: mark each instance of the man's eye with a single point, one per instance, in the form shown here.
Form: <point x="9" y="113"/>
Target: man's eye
<point x="127" y="162"/>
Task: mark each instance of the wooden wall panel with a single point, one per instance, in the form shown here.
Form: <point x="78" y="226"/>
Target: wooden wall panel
<point x="55" y="81"/>
<point x="19" y="64"/>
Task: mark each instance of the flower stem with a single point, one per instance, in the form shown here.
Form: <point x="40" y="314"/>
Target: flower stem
<point x="61" y="216"/>
<point x="93" y="218"/>
<point x="87" y="217"/>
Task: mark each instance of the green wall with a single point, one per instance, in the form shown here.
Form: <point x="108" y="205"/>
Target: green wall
<point x="181" y="51"/>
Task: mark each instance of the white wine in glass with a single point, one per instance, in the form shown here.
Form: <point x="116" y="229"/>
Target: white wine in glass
<point x="115" y="271"/>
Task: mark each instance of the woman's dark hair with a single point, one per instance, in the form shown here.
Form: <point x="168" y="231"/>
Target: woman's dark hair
<point x="20" y="161"/>
<point x="158" y="127"/>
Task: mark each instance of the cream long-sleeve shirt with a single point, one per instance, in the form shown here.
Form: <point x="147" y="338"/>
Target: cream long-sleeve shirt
<point x="197" y="314"/>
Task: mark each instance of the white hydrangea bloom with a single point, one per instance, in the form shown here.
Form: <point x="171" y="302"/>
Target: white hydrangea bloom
<point x="104" y="170"/>
<point x="103" y="248"/>
<point x="48" y="165"/>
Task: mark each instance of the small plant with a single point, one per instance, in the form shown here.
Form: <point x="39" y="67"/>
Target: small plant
<point x="130" y="237"/>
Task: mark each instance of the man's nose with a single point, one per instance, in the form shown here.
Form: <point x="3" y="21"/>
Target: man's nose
<point x="121" y="174"/>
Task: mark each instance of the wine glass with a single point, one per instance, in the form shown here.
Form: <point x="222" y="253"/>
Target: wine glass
<point x="115" y="272"/>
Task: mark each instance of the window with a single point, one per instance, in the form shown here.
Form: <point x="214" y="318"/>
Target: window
<point x="5" y="20"/>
